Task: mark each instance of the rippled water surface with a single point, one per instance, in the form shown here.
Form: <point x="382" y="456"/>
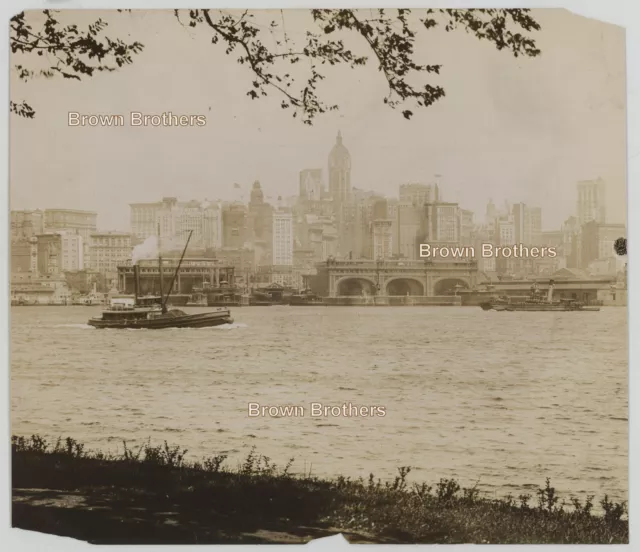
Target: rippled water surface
<point x="502" y="399"/>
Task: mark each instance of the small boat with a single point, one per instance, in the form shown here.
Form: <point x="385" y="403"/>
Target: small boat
<point x="260" y="299"/>
<point x="305" y="298"/>
<point x="152" y="313"/>
<point x="536" y="303"/>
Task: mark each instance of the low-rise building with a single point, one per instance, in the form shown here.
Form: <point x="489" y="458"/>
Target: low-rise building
<point x="31" y="289"/>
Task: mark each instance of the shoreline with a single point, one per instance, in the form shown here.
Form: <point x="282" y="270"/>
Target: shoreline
<point x="153" y="495"/>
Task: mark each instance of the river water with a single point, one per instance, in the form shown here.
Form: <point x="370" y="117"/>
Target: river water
<point x="503" y="400"/>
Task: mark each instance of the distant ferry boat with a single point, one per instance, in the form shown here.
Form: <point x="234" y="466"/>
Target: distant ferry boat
<point x="260" y="299"/>
<point x="305" y="298"/>
<point x="225" y="295"/>
<point x="536" y="303"/>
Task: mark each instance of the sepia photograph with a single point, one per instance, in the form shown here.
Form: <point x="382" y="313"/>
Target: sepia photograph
<point x="285" y="274"/>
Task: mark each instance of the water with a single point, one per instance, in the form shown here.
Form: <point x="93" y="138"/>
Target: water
<point x="501" y="399"/>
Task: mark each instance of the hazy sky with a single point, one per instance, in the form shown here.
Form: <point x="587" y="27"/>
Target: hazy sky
<point x="521" y="129"/>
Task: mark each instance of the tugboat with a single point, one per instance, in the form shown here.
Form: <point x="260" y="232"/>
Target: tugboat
<point x="152" y="312"/>
<point x="537" y="303"/>
<point x="260" y="299"/>
<point x="305" y="298"/>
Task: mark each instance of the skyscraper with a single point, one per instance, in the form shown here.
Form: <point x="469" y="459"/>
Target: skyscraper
<point x="311" y="185"/>
<point x="591" y="201"/>
<point x="282" y="238"/>
<point x="596" y="241"/>
<point x="410" y="225"/>
<point x="527" y="222"/>
<point x="442" y="222"/>
<point x="466" y="227"/>
<point x="234" y="225"/>
<point x="175" y="220"/>
<point x="339" y="172"/>
<point x="418" y="194"/>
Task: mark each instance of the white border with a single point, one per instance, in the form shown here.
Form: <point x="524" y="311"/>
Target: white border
<point x="625" y="13"/>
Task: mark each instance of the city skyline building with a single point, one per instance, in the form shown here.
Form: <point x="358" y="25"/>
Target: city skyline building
<point x="591" y="201"/>
<point x="381" y="239"/>
<point x="282" y="238"/>
<point x="234" y="225"/>
<point x="339" y="172"/>
<point x="72" y="252"/>
<point x="311" y="185"/>
<point x="75" y="221"/>
<point x="442" y="223"/>
<point x="108" y="250"/>
<point x="418" y="194"/>
<point x="410" y="223"/>
<point x="26" y="224"/>
<point x="175" y="219"/>
<point x="596" y="241"/>
<point x="527" y="224"/>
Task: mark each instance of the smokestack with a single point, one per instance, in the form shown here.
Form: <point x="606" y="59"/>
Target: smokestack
<point x="136" y="282"/>
<point x="550" y="294"/>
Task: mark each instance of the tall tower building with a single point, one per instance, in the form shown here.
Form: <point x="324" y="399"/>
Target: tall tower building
<point x="282" y="238"/>
<point x="339" y="172"/>
<point x="527" y="223"/>
<point x="491" y="213"/>
<point x="410" y="224"/>
<point x="234" y="225"/>
<point x="591" y="201"/>
<point x="311" y="186"/>
<point x="442" y="223"/>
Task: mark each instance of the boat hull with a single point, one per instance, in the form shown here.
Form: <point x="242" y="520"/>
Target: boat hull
<point x="538" y="308"/>
<point x="550" y="309"/>
<point x="203" y="320"/>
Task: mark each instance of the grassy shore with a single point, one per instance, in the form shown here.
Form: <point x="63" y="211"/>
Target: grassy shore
<point x="153" y="495"/>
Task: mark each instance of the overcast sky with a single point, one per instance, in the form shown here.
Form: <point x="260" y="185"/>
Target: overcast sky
<point x="520" y="129"/>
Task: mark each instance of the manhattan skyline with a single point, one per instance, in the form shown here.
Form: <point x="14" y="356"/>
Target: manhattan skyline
<point x="522" y="130"/>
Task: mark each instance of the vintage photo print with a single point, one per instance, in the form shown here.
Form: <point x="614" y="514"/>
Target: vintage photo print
<point x="278" y="275"/>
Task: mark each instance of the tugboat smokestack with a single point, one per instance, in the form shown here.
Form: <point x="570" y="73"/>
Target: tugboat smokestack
<point x="550" y="294"/>
<point x="136" y="282"/>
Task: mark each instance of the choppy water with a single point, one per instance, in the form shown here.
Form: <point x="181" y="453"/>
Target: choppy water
<point x="506" y="399"/>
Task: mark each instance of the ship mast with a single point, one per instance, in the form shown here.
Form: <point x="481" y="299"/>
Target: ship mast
<point x="164" y="301"/>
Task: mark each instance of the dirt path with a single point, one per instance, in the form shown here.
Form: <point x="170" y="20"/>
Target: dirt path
<point x="97" y="516"/>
